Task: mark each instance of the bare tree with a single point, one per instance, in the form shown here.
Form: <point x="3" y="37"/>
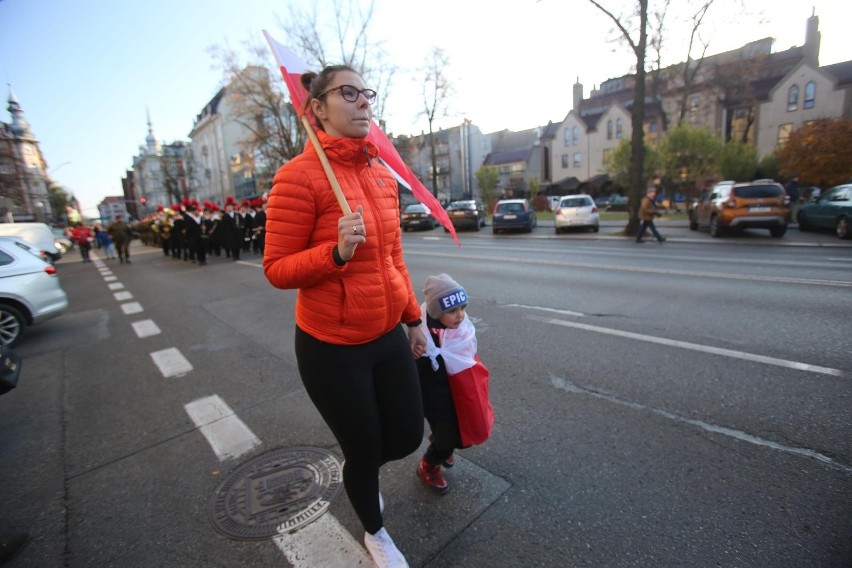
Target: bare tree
<point x="639" y="46"/>
<point x="348" y="32"/>
<point x="690" y="71"/>
<point x="437" y="91"/>
<point x="262" y="107"/>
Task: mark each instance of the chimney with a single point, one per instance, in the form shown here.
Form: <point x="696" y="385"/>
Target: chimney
<point x="812" y="40"/>
<point x="578" y="94"/>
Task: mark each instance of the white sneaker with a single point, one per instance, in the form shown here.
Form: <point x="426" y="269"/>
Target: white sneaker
<point x="383" y="551"/>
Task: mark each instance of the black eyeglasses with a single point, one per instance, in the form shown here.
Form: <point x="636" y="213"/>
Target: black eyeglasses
<point x="350" y="93"/>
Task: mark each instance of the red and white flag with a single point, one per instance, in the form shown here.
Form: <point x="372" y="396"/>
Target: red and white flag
<point x="292" y="68"/>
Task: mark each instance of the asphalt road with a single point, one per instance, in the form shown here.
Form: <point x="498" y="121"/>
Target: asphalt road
<point x="684" y="404"/>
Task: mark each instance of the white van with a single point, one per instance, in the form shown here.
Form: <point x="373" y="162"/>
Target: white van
<point x="38" y="234"/>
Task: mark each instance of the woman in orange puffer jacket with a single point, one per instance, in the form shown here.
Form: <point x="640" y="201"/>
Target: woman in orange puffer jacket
<point x="356" y="359"/>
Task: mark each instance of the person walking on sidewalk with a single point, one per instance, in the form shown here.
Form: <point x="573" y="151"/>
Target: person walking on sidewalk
<point x="354" y="355"/>
<point x="647" y="212"/>
<point x="451" y="348"/>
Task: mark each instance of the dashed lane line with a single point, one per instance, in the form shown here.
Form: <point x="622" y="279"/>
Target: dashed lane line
<point x="171" y="362"/>
<point x="145" y="328"/>
<point x="115" y="285"/>
<point x="225" y="432"/>
<point x="123" y="296"/>
<point x="131" y="308"/>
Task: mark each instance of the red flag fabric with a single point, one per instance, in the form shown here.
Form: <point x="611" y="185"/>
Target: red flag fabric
<point x="291" y="70"/>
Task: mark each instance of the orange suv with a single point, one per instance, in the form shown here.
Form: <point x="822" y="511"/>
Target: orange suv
<point x="759" y="204"/>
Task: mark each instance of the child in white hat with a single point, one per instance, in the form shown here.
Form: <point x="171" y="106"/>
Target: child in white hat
<point x="451" y="348"/>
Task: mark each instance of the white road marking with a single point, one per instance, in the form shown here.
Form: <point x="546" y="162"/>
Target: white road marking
<point x="131" y="308"/>
<point x="640" y="269"/>
<point x="145" y="328"/>
<point x="798" y="366"/>
<point x="122" y="296"/>
<point x="225" y="432"/>
<point x="543" y="309"/>
<point x="115" y="286"/>
<point x="325" y="542"/>
<point x="568" y="386"/>
<point x="110" y="278"/>
<point x="171" y="362"/>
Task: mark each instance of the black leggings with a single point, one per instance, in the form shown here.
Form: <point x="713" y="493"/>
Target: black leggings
<point x="369" y="395"/>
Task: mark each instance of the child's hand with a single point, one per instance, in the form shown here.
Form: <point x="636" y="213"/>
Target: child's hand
<point x="417" y="341"/>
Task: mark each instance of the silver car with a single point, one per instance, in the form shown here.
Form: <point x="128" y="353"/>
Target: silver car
<point x="576" y="211"/>
<point x="30" y="291"/>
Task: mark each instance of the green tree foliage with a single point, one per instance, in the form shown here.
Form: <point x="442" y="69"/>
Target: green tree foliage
<point x="617" y="164"/>
<point x="486" y="176"/>
<point x="738" y="161"/>
<point x="768" y="167"/>
<point x="820" y="152"/>
<point x="59" y="199"/>
<point x="690" y="154"/>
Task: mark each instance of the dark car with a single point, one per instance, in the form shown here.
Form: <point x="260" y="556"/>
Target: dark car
<point x="417" y="216"/>
<point x="832" y="210"/>
<point x="761" y="204"/>
<point x="512" y="214"/>
<point x="468" y="214"/>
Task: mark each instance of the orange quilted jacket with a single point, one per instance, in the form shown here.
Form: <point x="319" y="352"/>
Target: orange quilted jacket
<point x="369" y="295"/>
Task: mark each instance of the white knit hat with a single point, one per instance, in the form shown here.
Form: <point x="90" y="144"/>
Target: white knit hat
<point x="443" y="294"/>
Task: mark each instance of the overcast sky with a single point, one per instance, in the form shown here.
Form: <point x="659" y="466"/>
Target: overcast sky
<point x="85" y="72"/>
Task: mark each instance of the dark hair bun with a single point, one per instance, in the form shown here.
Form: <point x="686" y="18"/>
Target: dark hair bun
<point x="307" y="79"/>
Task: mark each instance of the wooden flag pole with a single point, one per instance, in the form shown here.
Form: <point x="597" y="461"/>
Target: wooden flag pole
<point x="326" y="166"/>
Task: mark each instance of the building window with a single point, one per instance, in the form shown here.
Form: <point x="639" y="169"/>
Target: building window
<point x="810" y="95"/>
<point x="567" y="137"/>
<point x="784" y="131"/>
<point x="575" y="132"/>
<point x="618" y="131"/>
<point x="565" y="161"/>
<point x="577" y="159"/>
<point x="793" y="98"/>
<point x="609" y="129"/>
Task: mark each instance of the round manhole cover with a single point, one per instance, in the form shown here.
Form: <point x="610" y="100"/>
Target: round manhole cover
<point x="277" y="492"/>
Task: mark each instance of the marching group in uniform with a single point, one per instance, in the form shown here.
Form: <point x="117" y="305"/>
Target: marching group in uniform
<point x="193" y="232"/>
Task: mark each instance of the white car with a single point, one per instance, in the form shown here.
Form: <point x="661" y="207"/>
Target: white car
<point x="576" y="211"/>
<point x="39" y="234"/>
<point x="30" y="291"/>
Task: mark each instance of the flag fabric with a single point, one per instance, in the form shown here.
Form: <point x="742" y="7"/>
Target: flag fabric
<point x="292" y="67"/>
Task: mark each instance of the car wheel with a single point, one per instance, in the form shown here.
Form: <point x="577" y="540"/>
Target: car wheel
<point x="842" y="228"/>
<point x="693" y="224"/>
<point x="778" y="232"/>
<point x="12" y="325"/>
<point x="477" y="227"/>
<point x="715" y="229"/>
<point x="803" y="222"/>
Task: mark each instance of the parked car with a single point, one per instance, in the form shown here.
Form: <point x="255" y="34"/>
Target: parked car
<point x="832" y="210"/>
<point x="469" y="213"/>
<point x="617" y="203"/>
<point x="417" y="216"/>
<point x="39" y="234"/>
<point x="761" y="204"/>
<point x="30" y="290"/>
<point x="576" y="211"/>
<point x="511" y="214"/>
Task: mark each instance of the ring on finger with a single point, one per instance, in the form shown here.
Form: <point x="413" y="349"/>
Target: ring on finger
<point x="354" y="230"/>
